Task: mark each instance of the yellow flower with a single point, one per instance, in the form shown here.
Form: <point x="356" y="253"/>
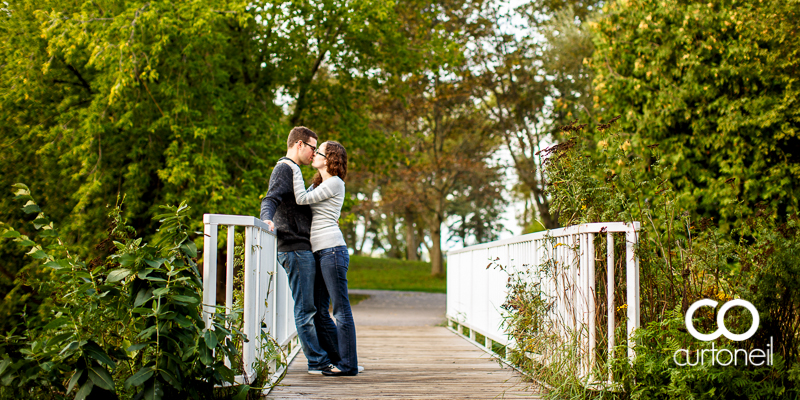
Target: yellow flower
<point x="603" y="144"/>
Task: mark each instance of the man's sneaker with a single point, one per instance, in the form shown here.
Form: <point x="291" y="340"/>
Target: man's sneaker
<point x="360" y="369"/>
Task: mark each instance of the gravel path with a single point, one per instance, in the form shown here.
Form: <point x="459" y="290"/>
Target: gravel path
<point x="393" y="308"/>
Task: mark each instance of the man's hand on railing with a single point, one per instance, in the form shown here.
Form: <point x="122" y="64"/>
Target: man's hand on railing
<point x="271" y="225"/>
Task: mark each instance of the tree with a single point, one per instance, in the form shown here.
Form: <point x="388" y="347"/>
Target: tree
<point x="714" y="86"/>
<point x="540" y="11"/>
<point x="532" y="79"/>
<point x="158" y="100"/>
<point x="448" y="150"/>
<point x="168" y="102"/>
<point x="476" y="205"/>
<point x="437" y="33"/>
<point x="150" y="99"/>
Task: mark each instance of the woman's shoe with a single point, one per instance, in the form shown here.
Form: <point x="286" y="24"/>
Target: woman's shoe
<point x="335" y="371"/>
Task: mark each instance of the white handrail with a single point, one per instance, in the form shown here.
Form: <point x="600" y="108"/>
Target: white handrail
<point x="562" y="261"/>
<point x="268" y="305"/>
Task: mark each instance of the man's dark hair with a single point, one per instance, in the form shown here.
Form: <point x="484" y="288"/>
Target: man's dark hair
<point x="300" y="133"/>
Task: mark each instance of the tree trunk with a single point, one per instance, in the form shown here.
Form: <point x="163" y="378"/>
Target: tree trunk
<point x="540" y="200"/>
<point x="411" y="237"/>
<point x="549" y="220"/>
<point x="437" y="263"/>
<point x="394" y="250"/>
<point x="300" y="105"/>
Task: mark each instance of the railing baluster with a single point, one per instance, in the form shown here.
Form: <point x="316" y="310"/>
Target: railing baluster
<point x="261" y="294"/>
<point x="249" y="303"/>
<point x="573" y="285"/>
<point x="229" y="269"/>
<point x="591" y="293"/>
<point x="632" y="276"/>
<point x="209" y="272"/>
<point x="229" y="265"/>
<point x="610" y="295"/>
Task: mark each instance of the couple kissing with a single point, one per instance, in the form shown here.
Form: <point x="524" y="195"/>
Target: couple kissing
<point x="312" y="250"/>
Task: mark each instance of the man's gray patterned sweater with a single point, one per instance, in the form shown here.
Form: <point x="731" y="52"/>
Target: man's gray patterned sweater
<point x="292" y="221"/>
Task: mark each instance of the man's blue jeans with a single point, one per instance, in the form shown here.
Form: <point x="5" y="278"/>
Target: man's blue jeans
<point x="301" y="268"/>
<point x="333" y="264"/>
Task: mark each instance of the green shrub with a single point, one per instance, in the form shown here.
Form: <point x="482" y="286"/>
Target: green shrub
<point x="129" y="326"/>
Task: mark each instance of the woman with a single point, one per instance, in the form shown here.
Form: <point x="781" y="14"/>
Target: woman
<point x="326" y="196"/>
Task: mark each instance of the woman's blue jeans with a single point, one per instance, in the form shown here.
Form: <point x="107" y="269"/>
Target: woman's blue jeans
<point x="333" y="263"/>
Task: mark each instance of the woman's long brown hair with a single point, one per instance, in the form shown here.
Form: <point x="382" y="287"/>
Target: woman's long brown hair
<point x="336" y="156"/>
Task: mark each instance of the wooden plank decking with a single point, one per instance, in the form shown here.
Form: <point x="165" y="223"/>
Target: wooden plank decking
<point x="410" y="362"/>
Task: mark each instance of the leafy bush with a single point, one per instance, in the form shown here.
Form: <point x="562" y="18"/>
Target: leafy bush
<point x="129" y="326"/>
<point x="682" y="259"/>
<point x="715" y="85"/>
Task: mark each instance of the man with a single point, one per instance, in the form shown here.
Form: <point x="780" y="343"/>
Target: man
<point x="292" y="223"/>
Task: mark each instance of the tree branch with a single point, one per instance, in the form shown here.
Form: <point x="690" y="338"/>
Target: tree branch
<point x="135" y="17"/>
<point x="80" y="78"/>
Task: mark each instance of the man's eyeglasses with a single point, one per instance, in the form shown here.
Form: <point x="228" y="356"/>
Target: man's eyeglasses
<point x="314" y="149"/>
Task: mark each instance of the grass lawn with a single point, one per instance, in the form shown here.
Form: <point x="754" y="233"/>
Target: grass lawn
<point x="391" y="274"/>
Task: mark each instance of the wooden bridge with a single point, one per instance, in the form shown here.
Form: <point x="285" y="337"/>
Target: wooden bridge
<point x="407" y="345"/>
<point x="406" y="356"/>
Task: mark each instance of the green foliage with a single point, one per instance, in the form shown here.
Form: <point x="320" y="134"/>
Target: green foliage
<point x="129" y="325"/>
<point x="138" y="98"/>
<point x="715" y="86"/>
<point x="131" y="97"/>
<point x="539" y="11"/>
<point x="192" y="101"/>
<point x="682" y="258"/>
<point x="392" y="274"/>
<point x="654" y="375"/>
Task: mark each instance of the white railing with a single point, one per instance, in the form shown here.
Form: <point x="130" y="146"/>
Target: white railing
<point x="268" y="305"/>
<point x="562" y="262"/>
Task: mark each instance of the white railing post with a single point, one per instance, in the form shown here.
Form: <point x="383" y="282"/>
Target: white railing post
<point x="209" y="270"/>
<point x="267" y="296"/>
<point x="229" y="265"/>
<point x="632" y="278"/>
<point x="249" y="303"/>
